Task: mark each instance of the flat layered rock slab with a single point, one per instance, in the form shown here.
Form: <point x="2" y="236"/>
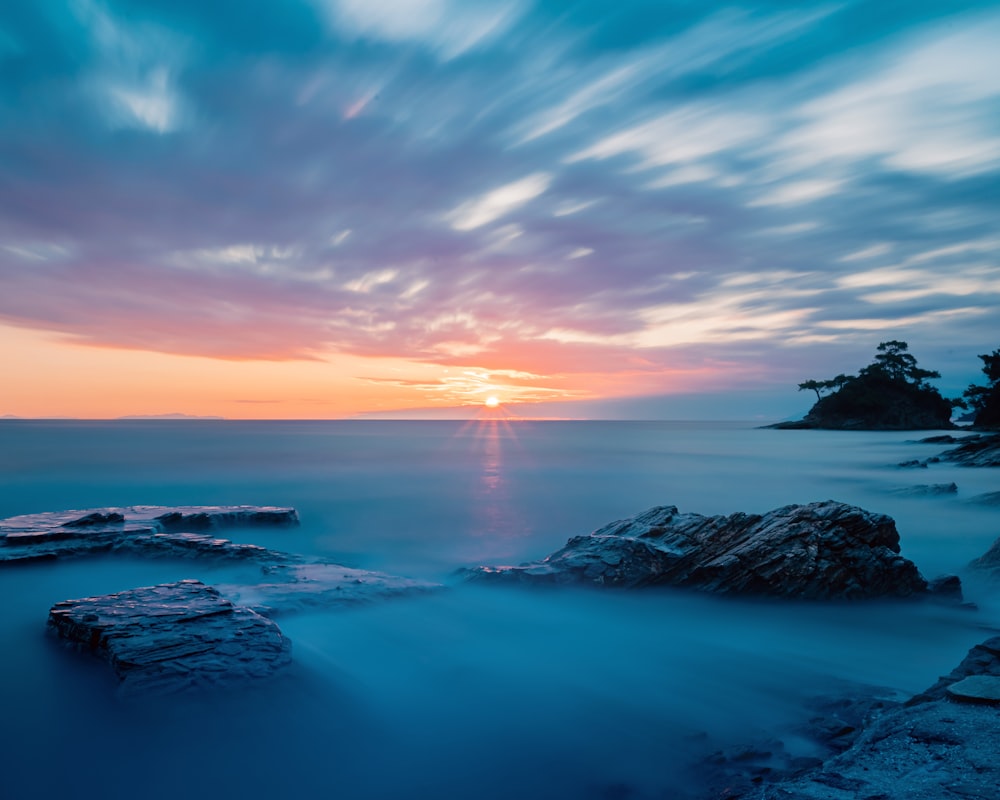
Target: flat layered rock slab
<point x="173" y="637"/>
<point x="152" y="530"/>
<point x="983" y="689"/>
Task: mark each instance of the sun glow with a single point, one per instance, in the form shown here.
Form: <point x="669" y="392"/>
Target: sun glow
<point x="491" y="402"/>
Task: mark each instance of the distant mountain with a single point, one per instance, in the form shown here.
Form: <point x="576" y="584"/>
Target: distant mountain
<point x="165" y="416"/>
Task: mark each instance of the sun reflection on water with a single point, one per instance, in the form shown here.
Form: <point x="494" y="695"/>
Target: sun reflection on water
<point x="496" y="516"/>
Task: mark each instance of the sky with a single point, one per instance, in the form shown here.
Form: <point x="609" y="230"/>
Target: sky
<point x="329" y="208"/>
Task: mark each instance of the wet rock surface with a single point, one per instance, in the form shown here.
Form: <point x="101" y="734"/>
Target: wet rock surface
<point x="940" y="744"/>
<point x="822" y="550"/>
<point x="140" y="530"/>
<point x="975" y="451"/>
<point x="983" y="659"/>
<point x="173" y="637"/>
<point x="185" y="635"/>
<point x="983" y="689"/>
<point x="838" y="720"/>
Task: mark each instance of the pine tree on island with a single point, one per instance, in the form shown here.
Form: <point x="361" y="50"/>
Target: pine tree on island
<point x="985" y="400"/>
<point x="891" y="393"/>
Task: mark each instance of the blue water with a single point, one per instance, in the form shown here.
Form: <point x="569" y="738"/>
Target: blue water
<point x="475" y="691"/>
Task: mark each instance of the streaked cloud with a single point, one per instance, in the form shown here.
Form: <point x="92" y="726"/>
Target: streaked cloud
<point x="498" y="202"/>
<point x="584" y="199"/>
<point x="450" y="27"/>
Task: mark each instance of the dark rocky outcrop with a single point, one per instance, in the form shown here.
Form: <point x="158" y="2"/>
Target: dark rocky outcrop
<point x="822" y="550"/>
<point x="173" y="637"/>
<point x="981" y="450"/>
<point x="975" y="451"/>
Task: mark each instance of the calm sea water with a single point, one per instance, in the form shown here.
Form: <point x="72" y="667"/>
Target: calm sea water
<point x="474" y="692"/>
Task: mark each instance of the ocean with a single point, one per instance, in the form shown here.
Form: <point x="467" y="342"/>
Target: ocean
<point x="474" y="691"/>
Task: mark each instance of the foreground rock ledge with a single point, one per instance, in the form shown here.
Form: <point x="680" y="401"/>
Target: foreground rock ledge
<point x="823" y="550"/>
<point x="173" y="637"/>
<point x="941" y="744"/>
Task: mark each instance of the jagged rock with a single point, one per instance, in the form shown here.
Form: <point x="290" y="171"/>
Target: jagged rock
<point x="975" y="451"/>
<point x="928" y="749"/>
<point x="147" y="530"/>
<point x="926" y="490"/>
<point x="173" y="637"/>
<point x="816" y="551"/>
<point x="292" y="587"/>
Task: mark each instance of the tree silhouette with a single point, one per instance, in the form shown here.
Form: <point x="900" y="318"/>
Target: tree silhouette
<point x="985" y="400"/>
<point x="813" y="386"/>
<point x="897" y="364"/>
<point x="891" y="392"/>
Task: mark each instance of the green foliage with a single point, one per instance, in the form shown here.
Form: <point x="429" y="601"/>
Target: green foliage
<point x="985" y="400"/>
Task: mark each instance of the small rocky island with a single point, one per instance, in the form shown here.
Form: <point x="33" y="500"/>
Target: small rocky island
<point x="891" y="393"/>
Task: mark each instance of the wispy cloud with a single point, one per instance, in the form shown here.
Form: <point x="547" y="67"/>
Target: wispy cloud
<point x="573" y="193"/>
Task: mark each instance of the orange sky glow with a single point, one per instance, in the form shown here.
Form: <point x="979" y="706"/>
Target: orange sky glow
<point x="586" y="213"/>
<point x="58" y="377"/>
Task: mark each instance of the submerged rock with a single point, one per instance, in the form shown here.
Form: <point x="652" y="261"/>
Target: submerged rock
<point x="986" y="499"/>
<point x="989" y="561"/>
<point x="926" y="490"/>
<point x="144" y="530"/>
<point x="173" y="637"/>
<point x="294" y="587"/>
<point x="818" y="551"/>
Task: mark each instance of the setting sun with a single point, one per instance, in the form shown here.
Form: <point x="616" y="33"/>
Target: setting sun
<point x="491" y="402"/>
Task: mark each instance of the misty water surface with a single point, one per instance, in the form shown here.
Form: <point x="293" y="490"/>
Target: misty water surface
<point x="474" y="691"/>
